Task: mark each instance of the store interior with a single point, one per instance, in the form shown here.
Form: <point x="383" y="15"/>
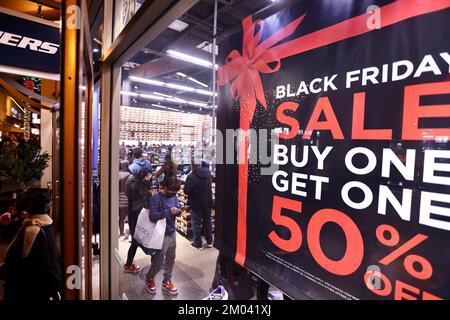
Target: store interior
<point x="167" y="109"/>
<point x="168" y="104"/>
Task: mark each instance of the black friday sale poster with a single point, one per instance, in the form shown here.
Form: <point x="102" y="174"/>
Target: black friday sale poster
<point x="411" y="257"/>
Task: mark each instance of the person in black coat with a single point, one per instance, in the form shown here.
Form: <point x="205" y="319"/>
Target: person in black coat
<point x="31" y="271"/>
<point x="199" y="191"/>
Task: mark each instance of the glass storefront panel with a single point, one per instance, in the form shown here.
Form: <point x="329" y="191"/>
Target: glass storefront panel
<point x="124" y="10"/>
<point x="166" y="111"/>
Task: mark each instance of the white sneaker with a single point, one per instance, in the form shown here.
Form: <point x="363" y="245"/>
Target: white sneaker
<point x="198" y="248"/>
<point x="218" y="294"/>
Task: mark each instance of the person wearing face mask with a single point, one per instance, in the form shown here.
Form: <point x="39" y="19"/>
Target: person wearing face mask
<point x="165" y="204"/>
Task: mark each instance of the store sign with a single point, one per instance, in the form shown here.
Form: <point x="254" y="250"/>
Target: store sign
<point x="358" y="205"/>
<point x="29" y="45"/>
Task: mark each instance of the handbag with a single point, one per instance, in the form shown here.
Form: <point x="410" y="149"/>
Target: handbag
<point x="149" y="235"/>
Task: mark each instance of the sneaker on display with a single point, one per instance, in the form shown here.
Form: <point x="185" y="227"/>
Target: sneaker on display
<point x="169" y="287"/>
<point x="150" y="286"/>
<point x="218" y="294"/>
<point x="199" y="248"/>
<point x="132" y="268"/>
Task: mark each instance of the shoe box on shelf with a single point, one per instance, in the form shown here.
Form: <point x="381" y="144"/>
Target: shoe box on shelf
<point x="183" y="222"/>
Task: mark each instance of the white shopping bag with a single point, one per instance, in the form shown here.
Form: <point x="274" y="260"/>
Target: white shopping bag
<point x="148" y="234"/>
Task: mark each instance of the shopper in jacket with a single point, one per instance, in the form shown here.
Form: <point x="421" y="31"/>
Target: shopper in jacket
<point x="124" y="174"/>
<point x="31" y="271"/>
<point x="165" y="205"/>
<point x="139" y="162"/>
<point x="137" y="193"/>
<point x="199" y="191"/>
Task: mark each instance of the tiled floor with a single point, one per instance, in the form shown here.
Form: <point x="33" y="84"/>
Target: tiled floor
<point x="193" y="273"/>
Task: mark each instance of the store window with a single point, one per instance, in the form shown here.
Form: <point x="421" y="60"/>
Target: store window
<point x="166" y="112"/>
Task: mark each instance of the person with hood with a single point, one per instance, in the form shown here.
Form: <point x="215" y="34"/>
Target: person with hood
<point x="31" y="271"/>
<point x="139" y="162"/>
<point x="199" y="191"/>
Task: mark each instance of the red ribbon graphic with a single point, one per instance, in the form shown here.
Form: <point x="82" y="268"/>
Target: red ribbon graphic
<point x="243" y="70"/>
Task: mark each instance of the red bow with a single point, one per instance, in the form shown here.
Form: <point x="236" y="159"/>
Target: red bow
<point x="244" y="70"/>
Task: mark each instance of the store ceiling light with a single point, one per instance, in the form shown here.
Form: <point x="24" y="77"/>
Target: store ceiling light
<point x="172" y="86"/>
<point x="151" y="96"/>
<point x="188" y="58"/>
<point x="192" y="79"/>
<point x="178" y="25"/>
<point x="198" y="104"/>
<point x="161" y="94"/>
<point x="161" y="97"/>
<point x="176" y="100"/>
<point x="207" y="46"/>
<point x="131" y="94"/>
<point x="198" y="82"/>
<point x="164" y="107"/>
<point x="169" y="108"/>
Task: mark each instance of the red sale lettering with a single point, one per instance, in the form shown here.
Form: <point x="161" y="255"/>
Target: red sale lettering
<point x="358" y="131"/>
<point x="386" y="287"/>
<point x="413" y="111"/>
<point x="330" y="124"/>
<point x="354" y="251"/>
<point x="429" y="296"/>
<point x="404" y="291"/>
<point x="290" y="121"/>
<point x="295" y="241"/>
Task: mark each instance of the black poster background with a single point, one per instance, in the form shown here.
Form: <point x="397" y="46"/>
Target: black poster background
<point x="411" y="40"/>
<point x="25" y="58"/>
